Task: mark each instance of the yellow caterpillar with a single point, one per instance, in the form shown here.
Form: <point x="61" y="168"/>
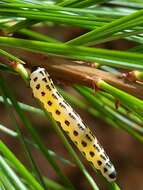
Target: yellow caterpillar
<point x="45" y="91"/>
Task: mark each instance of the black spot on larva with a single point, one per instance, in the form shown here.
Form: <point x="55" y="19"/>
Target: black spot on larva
<point x="43" y="93"/>
<point x="48" y="87"/>
<point x="88" y="137"/>
<point x="84" y="153"/>
<point x="80" y="126"/>
<point x="66" y="103"/>
<point x="37" y="86"/>
<point x="105" y="170"/>
<point x="58" y="93"/>
<point x="62" y="105"/>
<point x="44" y="79"/>
<point x="92" y="134"/>
<point x="99" y="162"/>
<point x="35" y="78"/>
<point x="72" y="116"/>
<point x="41" y="72"/>
<point x="91" y="153"/>
<point x="76" y="114"/>
<point x="84" y="144"/>
<point x="49" y="103"/>
<point x="96" y="147"/>
<point x="113" y="175"/>
<point x="49" y="77"/>
<point x="54" y="96"/>
<point x="99" y="145"/>
<point x="75" y="133"/>
<point x="76" y="142"/>
<point x="67" y="122"/>
<point x="58" y="112"/>
<point x="103" y="157"/>
<point x="52" y="85"/>
<point x="108" y="164"/>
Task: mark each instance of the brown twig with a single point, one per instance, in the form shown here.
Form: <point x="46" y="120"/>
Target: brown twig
<point x="72" y="72"/>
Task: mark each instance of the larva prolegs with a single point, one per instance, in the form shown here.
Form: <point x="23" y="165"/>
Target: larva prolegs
<point x="45" y="91"/>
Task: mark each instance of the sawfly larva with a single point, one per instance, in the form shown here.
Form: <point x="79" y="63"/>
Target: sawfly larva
<point x="45" y="91"/>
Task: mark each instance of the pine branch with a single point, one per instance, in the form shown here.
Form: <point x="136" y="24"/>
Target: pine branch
<point x="68" y="71"/>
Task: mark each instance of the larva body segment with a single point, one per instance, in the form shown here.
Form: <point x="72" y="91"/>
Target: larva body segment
<point x="45" y="91"/>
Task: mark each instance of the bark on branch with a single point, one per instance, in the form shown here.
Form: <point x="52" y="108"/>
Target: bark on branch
<point x="71" y="72"/>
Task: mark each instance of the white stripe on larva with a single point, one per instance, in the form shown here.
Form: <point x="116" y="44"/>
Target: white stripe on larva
<point x="45" y="91"/>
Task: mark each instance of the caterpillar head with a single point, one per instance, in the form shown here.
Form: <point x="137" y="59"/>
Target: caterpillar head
<point x="109" y="172"/>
